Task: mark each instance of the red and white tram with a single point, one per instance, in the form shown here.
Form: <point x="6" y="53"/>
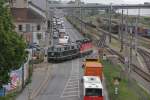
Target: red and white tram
<point x="85" y="46"/>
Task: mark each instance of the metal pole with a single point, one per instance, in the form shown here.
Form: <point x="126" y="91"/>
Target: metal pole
<point x="22" y="77"/>
<point x="130" y="51"/>
<point x="81" y="19"/>
<point x="110" y="17"/>
<point x="121" y="32"/>
<point x="126" y="38"/>
<point x="136" y="31"/>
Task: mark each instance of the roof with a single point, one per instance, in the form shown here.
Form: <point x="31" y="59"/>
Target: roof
<point x="26" y="15"/>
<point x="92" y="82"/>
<point x="31" y="3"/>
<point x="93" y="64"/>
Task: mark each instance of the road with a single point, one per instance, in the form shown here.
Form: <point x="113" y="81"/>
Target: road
<point x="64" y="82"/>
<point x="72" y="32"/>
<point x="65" y="79"/>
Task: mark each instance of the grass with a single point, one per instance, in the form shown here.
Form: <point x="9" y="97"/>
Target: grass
<point x="128" y="90"/>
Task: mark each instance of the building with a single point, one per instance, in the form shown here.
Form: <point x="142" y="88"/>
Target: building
<point x="29" y="20"/>
<point x="18" y="3"/>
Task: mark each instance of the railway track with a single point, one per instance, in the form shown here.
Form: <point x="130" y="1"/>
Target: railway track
<point x="98" y="29"/>
<point x="134" y="68"/>
<point x="146" y="57"/>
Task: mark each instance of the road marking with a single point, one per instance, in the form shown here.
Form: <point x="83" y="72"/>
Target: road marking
<point x="71" y="82"/>
<point x="72" y="86"/>
<point x="70" y="92"/>
<point x="69" y="96"/>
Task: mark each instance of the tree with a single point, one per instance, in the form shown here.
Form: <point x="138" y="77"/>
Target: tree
<point x="12" y="46"/>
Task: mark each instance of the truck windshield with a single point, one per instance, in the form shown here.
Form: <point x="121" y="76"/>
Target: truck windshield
<point x="93" y="92"/>
<point x="92" y="60"/>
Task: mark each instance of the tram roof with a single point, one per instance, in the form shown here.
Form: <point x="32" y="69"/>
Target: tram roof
<point x="83" y="40"/>
<point x="57" y="46"/>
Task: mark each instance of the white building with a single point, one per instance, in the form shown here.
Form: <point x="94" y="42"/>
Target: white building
<point x="29" y="20"/>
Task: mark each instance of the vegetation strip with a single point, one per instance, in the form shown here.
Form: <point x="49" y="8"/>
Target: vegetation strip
<point x="127" y="89"/>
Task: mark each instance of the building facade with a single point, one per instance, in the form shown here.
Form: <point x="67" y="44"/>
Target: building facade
<point x="29" y="20"/>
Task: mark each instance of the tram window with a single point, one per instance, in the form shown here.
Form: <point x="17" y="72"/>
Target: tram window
<point x="59" y="49"/>
<point x="77" y="47"/>
<point x="93" y="92"/>
<point x="65" y="48"/>
<point x="73" y="51"/>
<point x="57" y="54"/>
<point x="68" y="48"/>
<point x="55" y="49"/>
<point x="72" y="47"/>
<point x="52" y="48"/>
<point x="51" y="53"/>
<point x="65" y="53"/>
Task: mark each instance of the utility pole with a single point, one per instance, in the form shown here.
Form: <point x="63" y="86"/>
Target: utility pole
<point x="126" y="52"/>
<point x="110" y="18"/>
<point x="22" y="66"/>
<point x="50" y="19"/>
<point x="122" y="31"/>
<point x="136" y="31"/>
<point x="130" y="51"/>
<point x="81" y="17"/>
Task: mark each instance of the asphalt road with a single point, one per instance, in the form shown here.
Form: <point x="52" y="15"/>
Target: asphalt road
<point x="64" y="83"/>
<point x="72" y="32"/>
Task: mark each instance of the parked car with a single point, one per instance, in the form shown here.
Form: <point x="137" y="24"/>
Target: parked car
<point x="55" y="35"/>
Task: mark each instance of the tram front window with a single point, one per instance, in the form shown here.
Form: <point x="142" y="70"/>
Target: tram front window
<point x="93" y="92"/>
<point x="51" y="54"/>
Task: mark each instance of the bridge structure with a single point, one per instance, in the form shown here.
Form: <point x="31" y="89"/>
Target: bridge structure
<point x="100" y="6"/>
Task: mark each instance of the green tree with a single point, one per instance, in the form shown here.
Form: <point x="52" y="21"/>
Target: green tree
<point x="12" y="46"/>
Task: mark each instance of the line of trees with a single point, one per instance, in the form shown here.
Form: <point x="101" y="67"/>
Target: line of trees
<point x="12" y="46"/>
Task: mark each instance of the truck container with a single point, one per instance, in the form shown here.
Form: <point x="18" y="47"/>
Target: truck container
<point x="93" y="68"/>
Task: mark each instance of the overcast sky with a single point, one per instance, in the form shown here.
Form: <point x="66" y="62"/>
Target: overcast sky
<point x="115" y="1"/>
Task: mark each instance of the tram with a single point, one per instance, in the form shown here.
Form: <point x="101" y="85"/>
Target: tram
<point x="85" y="46"/>
<point x="66" y="51"/>
<point x="59" y="53"/>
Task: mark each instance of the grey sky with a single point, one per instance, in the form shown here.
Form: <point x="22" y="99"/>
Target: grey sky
<point x="115" y="1"/>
